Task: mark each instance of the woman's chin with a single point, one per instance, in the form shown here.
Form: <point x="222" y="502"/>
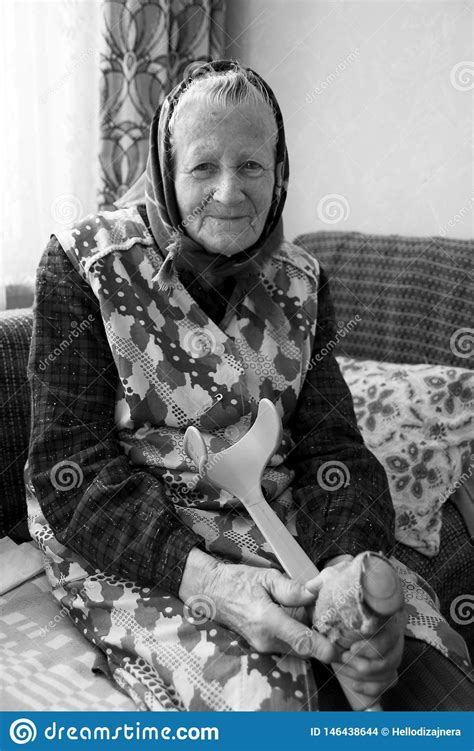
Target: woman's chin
<point x="226" y="246"/>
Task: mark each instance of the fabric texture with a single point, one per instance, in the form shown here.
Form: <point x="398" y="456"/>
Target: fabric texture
<point x="145" y="50"/>
<point x="399" y="299"/>
<point x="418" y="420"/>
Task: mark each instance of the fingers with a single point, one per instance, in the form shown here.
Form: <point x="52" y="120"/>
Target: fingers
<point x="364" y="654"/>
<point x="357" y="667"/>
<point x="303" y="615"/>
<point x="310" y="644"/>
<point x="379" y="671"/>
<point x="314" y="585"/>
<point x="370" y="688"/>
<point x="371" y="667"/>
<point x="388" y="638"/>
<point x="291" y="636"/>
<point x="286" y="591"/>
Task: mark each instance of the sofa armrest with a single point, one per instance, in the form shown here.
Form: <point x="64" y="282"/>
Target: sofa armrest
<point x="463" y="499"/>
<point x="15" y="335"/>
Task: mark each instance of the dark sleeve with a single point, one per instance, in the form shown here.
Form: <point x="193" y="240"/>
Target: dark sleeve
<point x="113" y="514"/>
<point x="340" y="489"/>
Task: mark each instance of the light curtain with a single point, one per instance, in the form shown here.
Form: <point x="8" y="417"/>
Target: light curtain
<point x="49" y="128"/>
<point x="146" y="49"/>
<point x="81" y="81"/>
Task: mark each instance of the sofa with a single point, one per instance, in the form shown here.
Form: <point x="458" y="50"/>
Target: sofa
<point x="407" y="295"/>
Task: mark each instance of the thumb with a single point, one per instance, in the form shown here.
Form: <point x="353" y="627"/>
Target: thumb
<point x="308" y="643"/>
<point x="315" y="585"/>
<point x="286" y="591"/>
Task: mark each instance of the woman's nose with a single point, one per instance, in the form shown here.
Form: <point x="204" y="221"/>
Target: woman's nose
<point x="228" y="189"/>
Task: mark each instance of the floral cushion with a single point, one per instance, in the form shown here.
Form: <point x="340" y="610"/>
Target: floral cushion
<point x="418" y="420"/>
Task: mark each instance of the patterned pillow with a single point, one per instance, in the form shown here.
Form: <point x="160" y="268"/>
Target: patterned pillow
<point x="418" y="420"/>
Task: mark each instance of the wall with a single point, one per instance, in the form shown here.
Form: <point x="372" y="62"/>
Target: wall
<point x="378" y="104"/>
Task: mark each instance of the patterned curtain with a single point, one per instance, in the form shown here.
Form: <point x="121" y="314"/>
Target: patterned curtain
<point x="147" y="46"/>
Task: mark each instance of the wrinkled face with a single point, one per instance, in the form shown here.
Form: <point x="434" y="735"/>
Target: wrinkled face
<point x="224" y="169"/>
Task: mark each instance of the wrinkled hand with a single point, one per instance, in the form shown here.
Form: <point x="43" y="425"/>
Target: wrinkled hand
<point x="249" y="601"/>
<point x="371" y="664"/>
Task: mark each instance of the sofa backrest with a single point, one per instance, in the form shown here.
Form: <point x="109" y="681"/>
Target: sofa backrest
<point x="414" y="296"/>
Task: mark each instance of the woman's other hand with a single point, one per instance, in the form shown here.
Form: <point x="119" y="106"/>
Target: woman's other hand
<point x="371" y="664"/>
<point x="251" y="602"/>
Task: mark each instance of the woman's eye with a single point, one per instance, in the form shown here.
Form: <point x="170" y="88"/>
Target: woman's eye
<point x="253" y="168"/>
<point x="203" y="169"/>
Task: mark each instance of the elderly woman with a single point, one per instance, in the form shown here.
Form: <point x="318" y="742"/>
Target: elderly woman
<point x="186" y="306"/>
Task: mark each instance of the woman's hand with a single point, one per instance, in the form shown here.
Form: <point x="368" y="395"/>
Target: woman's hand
<point x="371" y="664"/>
<point x="250" y="601"/>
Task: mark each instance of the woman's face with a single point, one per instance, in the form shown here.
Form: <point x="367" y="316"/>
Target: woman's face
<point x="224" y="169"/>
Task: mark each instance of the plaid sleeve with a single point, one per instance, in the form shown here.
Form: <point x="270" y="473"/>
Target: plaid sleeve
<point x="114" y="515"/>
<point x="340" y="488"/>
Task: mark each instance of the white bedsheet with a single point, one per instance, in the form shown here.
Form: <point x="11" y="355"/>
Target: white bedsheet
<point x="45" y="663"/>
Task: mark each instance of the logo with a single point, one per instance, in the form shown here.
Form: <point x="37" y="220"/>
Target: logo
<point x="201" y="343"/>
<point x="198" y="609"/>
<point x="462" y="75"/>
<point x="462" y="342"/>
<point x="333" y="475"/>
<point x="22" y="731"/>
<point x="462" y="610"/>
<point x="66" y="475"/>
<point x="66" y="209"/>
<point x="333" y="208"/>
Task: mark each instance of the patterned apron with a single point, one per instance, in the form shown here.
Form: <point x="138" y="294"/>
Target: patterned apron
<point x="177" y="368"/>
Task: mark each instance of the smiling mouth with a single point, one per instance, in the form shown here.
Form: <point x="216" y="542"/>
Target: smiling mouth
<point x="228" y="218"/>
